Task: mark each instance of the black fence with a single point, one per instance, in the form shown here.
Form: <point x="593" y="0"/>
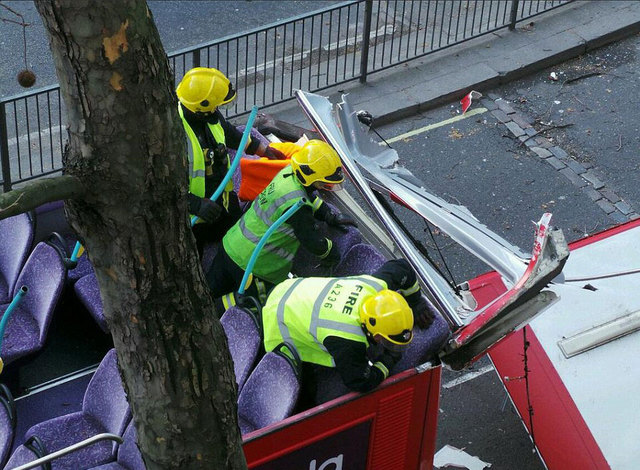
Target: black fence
<point x="344" y="42"/>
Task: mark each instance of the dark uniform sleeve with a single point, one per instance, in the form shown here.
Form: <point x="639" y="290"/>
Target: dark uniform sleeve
<point x="306" y="231"/>
<point x="233" y="136"/>
<point x="399" y="276"/>
<point x="352" y="364"/>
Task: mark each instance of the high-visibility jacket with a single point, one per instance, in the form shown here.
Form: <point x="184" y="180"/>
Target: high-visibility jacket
<point x="276" y="257"/>
<point x="304" y="311"/>
<point x="196" y="157"/>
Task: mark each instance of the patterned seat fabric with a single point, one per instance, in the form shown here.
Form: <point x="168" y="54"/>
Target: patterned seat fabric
<point x="7" y="423"/>
<point x="104" y="410"/>
<point x="44" y="274"/>
<point x="270" y="394"/>
<point x="16" y="238"/>
<point x="244" y="339"/>
<point x="88" y="293"/>
<point x="129" y="457"/>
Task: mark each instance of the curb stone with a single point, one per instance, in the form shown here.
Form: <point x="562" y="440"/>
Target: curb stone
<point x="580" y="175"/>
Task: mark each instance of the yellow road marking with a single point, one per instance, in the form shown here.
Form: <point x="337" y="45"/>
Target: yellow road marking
<point x="473" y="112"/>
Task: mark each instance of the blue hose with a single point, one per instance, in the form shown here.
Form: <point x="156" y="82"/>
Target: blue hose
<point x="76" y="249"/>
<point x="256" y="251"/>
<point x="7" y="313"/>
<point x="236" y="160"/>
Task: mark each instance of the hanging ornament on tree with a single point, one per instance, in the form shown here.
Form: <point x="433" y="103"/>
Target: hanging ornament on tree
<point x="26" y="77"/>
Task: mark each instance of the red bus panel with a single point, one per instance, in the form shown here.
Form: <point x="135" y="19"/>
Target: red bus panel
<point x="392" y="427"/>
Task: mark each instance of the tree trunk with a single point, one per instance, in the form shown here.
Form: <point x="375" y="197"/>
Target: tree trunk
<point x="127" y="147"/>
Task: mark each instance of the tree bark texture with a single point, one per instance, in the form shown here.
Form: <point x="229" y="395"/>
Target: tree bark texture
<point x="127" y="146"/>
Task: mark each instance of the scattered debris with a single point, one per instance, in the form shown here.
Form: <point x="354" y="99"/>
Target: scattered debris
<point x="559" y="126"/>
<point x="455" y="134"/>
<point x="466" y="101"/>
<point x="450" y="456"/>
<point x="553" y="76"/>
<point x="586" y="75"/>
<point x="619" y="142"/>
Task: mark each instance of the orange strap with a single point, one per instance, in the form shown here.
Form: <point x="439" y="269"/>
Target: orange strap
<point x="257" y="174"/>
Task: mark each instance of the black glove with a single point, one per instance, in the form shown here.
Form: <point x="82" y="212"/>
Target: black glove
<point x="423" y="313"/>
<point x="389" y="358"/>
<point x="206" y="209"/>
<point x="274" y="154"/>
<point x="332" y="258"/>
<point x="340" y="221"/>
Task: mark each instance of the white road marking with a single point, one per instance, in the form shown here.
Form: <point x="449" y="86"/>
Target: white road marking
<point x="466" y="377"/>
<point x="473" y="112"/>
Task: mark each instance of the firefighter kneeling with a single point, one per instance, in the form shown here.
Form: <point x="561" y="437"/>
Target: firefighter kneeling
<point x="357" y="324"/>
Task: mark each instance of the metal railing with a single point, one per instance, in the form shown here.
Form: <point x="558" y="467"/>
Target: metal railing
<point x="314" y="51"/>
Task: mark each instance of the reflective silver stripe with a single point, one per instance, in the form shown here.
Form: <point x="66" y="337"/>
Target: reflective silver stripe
<point x="284" y="228"/>
<point x="249" y="235"/>
<point x="317" y="322"/>
<point x="411" y="290"/>
<point x="273" y="207"/>
<point x="382" y="368"/>
<point x="339" y="326"/>
<point x="197" y="173"/>
<point x="284" y="331"/>
<point x="317" y="202"/>
<point x="369" y="282"/>
<point x="317" y="305"/>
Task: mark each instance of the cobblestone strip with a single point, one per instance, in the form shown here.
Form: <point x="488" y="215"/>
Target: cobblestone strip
<point x="580" y="175"/>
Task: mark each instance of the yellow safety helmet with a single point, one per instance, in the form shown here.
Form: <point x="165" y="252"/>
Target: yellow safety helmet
<point x="317" y="161"/>
<point x="387" y="318"/>
<point x="203" y="89"/>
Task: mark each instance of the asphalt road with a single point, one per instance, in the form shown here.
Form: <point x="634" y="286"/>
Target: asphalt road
<point x="591" y="113"/>
<point x="181" y="24"/>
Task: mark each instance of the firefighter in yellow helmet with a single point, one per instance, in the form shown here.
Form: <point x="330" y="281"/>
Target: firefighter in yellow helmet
<point x="201" y="92"/>
<point x="314" y="166"/>
<point x="358" y="325"/>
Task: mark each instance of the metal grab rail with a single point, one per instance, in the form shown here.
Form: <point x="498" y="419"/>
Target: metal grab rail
<point x="314" y="51"/>
<point x="72" y="448"/>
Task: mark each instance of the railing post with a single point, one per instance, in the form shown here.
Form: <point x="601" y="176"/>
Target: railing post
<point x="514" y="15"/>
<point x="196" y="58"/>
<point x="4" y="150"/>
<point x="366" y="33"/>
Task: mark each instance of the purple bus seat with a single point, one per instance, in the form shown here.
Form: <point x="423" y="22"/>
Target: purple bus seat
<point x="49" y="217"/>
<point x="44" y="274"/>
<point x="104" y="409"/>
<point x="88" y="293"/>
<point x="307" y="265"/>
<point x="345" y="240"/>
<point x="129" y="457"/>
<point x="7" y="423"/>
<point x="360" y="259"/>
<point x="271" y="392"/>
<point x="16" y="237"/>
<point x="425" y="344"/>
<point x="244" y="338"/>
<point x="31" y="450"/>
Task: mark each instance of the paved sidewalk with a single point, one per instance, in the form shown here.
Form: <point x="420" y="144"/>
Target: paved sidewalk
<point x="483" y="63"/>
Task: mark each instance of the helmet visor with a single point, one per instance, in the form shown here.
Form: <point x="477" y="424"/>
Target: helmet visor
<point x="231" y="94"/>
<point x="336" y="177"/>
<point x="396" y="343"/>
<point x="332" y="187"/>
